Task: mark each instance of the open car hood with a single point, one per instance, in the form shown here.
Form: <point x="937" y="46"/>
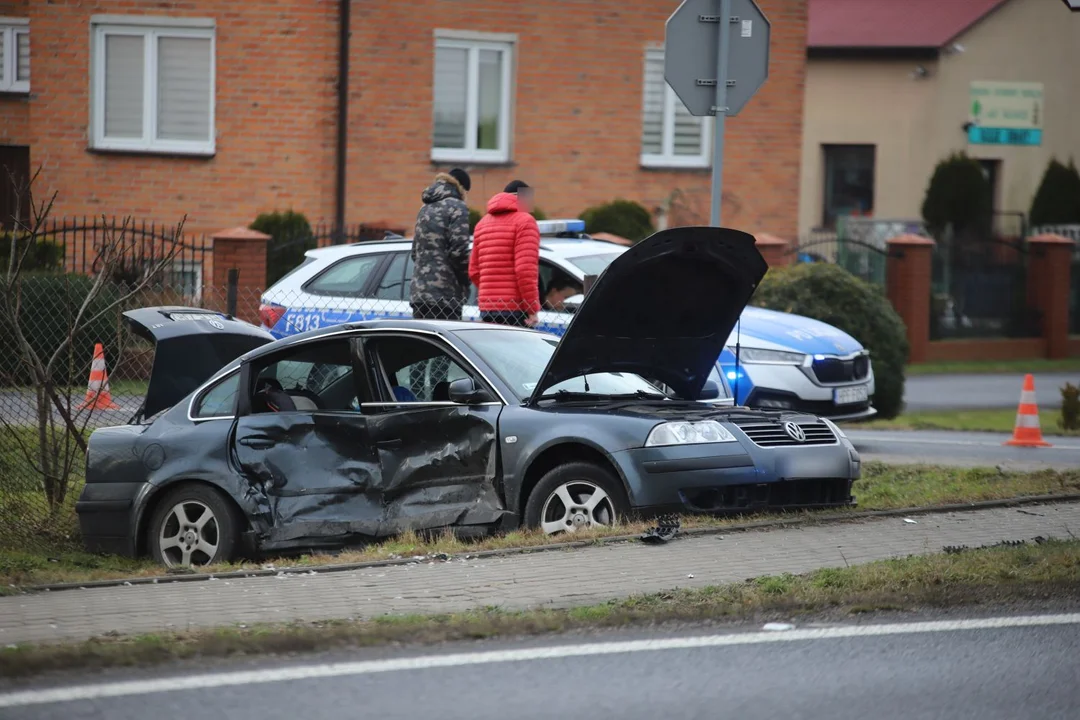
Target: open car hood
<point x="662" y="309"/>
<point x="191" y="344"/>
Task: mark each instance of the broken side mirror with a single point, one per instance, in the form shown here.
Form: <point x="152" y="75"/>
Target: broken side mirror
<point x="709" y="391"/>
<point x="464" y="391"/>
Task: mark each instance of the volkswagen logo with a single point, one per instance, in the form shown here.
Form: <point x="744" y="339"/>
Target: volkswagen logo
<point x="217" y="324"/>
<point x="797" y="434"/>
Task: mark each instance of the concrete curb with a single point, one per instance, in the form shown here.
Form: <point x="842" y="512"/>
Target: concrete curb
<point x="506" y="552"/>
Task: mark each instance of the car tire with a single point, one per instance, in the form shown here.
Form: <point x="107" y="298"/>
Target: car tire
<point x="201" y="540"/>
<point x="547" y="508"/>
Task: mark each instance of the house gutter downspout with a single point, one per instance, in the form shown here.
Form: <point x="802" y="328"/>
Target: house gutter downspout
<point x="344" y="28"/>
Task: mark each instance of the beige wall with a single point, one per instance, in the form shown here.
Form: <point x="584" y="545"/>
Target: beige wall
<point x="916" y="122"/>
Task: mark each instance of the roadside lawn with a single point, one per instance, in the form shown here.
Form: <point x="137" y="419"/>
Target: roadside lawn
<point x="1000" y="574"/>
<point x="882" y="487"/>
<point x="1001" y="420"/>
<point x="982" y="367"/>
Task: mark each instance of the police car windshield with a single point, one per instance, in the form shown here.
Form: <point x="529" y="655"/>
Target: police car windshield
<point x="519" y="358"/>
<point x="593" y="264"/>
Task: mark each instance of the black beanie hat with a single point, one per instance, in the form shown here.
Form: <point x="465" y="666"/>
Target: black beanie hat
<point x="514" y="185"/>
<point x="462" y="177"/>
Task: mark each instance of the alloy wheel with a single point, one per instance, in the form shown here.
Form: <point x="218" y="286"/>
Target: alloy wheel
<point x="576" y="505"/>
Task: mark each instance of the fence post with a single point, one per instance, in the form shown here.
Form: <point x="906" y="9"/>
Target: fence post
<point x="230" y="293"/>
<point x="244" y="250"/>
<point x="773" y="249"/>
<point x="590" y="280"/>
<point x="908" y="270"/>
<point x="1049" y="267"/>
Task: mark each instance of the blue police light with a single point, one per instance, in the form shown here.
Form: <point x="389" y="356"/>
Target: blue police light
<point x="554" y="227"/>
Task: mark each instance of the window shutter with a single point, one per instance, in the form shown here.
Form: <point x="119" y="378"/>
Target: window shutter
<point x="451" y="88"/>
<point x="22" y="56"/>
<point x="184" y="89"/>
<point x="652" y="133"/>
<point x="687" y="130"/>
<point x="124" y="61"/>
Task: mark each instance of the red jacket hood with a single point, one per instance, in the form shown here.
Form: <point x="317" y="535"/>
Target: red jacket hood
<point x="503" y="203"/>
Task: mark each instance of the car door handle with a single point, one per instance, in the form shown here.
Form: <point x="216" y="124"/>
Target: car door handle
<point x="257" y="443"/>
<point x="393" y="443"/>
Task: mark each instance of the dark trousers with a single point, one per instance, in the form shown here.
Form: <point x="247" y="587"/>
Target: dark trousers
<point x="433" y="311"/>
<point x="515" y="318"/>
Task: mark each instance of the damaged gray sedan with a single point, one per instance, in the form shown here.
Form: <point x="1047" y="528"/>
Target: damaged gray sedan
<point x="362" y="431"/>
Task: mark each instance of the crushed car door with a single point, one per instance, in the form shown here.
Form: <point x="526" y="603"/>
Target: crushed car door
<point x="302" y="441"/>
<point x="438" y="458"/>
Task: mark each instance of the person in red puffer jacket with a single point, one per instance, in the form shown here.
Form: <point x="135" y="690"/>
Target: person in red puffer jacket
<point x="505" y="260"/>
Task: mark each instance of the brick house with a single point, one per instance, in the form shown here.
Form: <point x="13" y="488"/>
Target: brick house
<point x="221" y="110"/>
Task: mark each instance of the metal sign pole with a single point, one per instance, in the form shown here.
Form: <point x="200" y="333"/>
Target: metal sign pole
<point x="720" y="110"/>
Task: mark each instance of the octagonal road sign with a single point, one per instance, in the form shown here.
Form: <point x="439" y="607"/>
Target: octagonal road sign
<point x="691" y="53"/>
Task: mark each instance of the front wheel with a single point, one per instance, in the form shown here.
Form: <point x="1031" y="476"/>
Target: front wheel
<point x="575" y="496"/>
<point x="193" y="526"/>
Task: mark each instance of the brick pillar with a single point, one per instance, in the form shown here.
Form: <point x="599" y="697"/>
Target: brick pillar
<point x="774" y="250"/>
<point x="907" y="283"/>
<point x="245" y="250"/>
<point x="1049" y="265"/>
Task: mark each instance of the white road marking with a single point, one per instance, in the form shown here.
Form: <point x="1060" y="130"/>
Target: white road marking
<point x="427" y="662"/>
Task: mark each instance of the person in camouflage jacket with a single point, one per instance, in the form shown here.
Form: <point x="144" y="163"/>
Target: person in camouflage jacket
<point x="440" y="251"/>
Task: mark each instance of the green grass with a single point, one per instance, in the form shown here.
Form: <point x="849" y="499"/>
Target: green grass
<point x="979" y="367"/>
<point x="978" y="576"/>
<point x="997" y="420"/>
<point x="882" y="487"/>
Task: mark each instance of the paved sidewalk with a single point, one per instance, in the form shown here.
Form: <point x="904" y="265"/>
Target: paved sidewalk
<point x="551" y="579"/>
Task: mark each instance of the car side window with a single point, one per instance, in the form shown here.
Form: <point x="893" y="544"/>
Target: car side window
<point x="314" y="377"/>
<point x="348" y="277"/>
<point x="555" y="286"/>
<point x="417" y="370"/>
<point x="220" y="399"/>
<point x="406" y="285"/>
<point x="393" y="281"/>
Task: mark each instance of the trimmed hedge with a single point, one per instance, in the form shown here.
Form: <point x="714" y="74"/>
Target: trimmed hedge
<point x="290" y="237"/>
<point x="828" y="293"/>
<point x="958" y="195"/>
<point x="624" y="218"/>
<point x="44" y="256"/>
<point x="1057" y="201"/>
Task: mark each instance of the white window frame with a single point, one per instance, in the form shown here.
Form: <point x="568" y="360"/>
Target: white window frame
<point x="9" y="28"/>
<point x="667" y="158"/>
<point x="151" y="29"/>
<point x="177" y="268"/>
<point x="470" y="153"/>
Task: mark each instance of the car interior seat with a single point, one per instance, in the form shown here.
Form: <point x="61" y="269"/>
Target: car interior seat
<point x="403" y="394"/>
<point x="270" y="397"/>
<point x="305" y="400"/>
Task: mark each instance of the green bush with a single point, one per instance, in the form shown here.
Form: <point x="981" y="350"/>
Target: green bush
<point x="828" y="293"/>
<point x="49" y="304"/>
<point x="624" y="218"/>
<point x="1070" y="407"/>
<point x="959" y="195"/>
<point x="290" y="237"/>
<point x="1057" y="201"/>
<point x="44" y="256"/>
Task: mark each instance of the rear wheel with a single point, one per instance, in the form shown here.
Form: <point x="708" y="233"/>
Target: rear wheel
<point x="575" y="496"/>
<point x="193" y="526"/>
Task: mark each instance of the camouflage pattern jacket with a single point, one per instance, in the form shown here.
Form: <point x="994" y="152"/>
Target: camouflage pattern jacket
<point x="440" y="250"/>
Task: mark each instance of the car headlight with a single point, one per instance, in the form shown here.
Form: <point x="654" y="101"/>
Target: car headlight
<point x="835" y="428"/>
<point x="769" y="357"/>
<point x="688" y="433"/>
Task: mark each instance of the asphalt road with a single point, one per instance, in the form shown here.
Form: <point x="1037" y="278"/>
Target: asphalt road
<point x="958" y="449"/>
<point x="961" y="392"/>
<point x="982" y="669"/>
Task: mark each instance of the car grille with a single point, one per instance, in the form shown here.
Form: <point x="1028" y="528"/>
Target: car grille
<point x="784" y="495"/>
<point x="772" y="434"/>
<point x="835" y="370"/>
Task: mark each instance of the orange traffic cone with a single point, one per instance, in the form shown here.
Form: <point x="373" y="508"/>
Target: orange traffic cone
<point x="1027" y="432"/>
<point x="98" y="396"/>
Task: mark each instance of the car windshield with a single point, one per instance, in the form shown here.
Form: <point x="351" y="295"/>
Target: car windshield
<point x="593" y="264"/>
<point x="519" y="358"/>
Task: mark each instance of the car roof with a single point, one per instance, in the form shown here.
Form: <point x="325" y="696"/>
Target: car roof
<point x="561" y="247"/>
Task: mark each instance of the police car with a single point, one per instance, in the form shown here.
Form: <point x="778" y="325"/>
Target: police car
<point x="785" y="361"/>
